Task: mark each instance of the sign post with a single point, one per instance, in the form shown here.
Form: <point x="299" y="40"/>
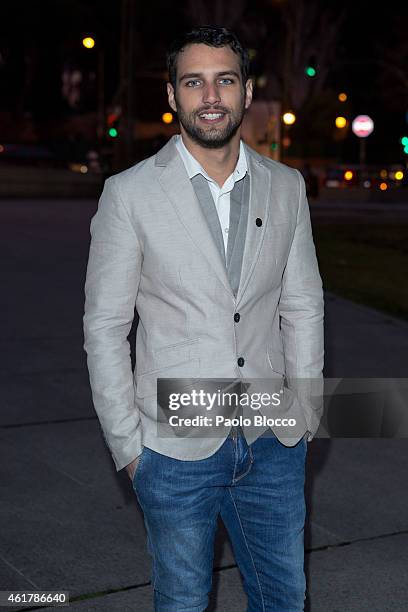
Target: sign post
<point x="362" y="127"/>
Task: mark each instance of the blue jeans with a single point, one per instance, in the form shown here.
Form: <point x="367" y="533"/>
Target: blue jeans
<point x="259" y="492"/>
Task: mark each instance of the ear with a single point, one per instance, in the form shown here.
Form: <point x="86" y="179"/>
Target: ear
<point x="171" y="97"/>
<point x="249" y="87"/>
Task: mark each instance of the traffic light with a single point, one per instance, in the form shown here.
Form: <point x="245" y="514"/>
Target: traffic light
<point x="404" y="142"/>
<point x="310" y="69"/>
<point x="113" y="125"/>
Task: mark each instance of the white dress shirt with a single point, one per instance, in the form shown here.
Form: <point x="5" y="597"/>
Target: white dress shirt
<point x="222" y="194"/>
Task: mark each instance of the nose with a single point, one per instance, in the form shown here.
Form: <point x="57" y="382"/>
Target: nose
<point x="211" y="94"/>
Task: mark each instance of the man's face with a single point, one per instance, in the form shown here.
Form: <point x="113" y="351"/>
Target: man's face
<point x="210" y="98"/>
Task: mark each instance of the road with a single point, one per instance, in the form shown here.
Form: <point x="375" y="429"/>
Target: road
<point x="69" y="521"/>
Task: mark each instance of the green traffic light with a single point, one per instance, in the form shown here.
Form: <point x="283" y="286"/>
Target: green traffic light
<point x="404" y="141"/>
<point x="310" y="71"/>
<point x="113" y="132"/>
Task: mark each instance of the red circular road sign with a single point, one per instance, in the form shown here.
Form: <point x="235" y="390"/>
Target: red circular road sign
<point x="362" y="126"/>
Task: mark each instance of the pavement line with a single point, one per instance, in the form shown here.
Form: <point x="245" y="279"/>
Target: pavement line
<point x="19" y="572"/>
<point x="356" y="541"/>
<point x="53" y="422"/>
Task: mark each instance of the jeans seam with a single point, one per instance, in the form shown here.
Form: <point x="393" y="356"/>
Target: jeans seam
<point x="251" y="460"/>
<point x="235" y="480"/>
<point x="246" y="543"/>
<point x="235" y="445"/>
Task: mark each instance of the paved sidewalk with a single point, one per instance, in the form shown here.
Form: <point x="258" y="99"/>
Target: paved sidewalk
<point x="69" y="521"/>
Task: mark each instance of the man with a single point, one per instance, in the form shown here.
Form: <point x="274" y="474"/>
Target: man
<point x="212" y="243"/>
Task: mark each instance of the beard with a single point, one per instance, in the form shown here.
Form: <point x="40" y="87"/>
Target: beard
<point x="211" y="137"/>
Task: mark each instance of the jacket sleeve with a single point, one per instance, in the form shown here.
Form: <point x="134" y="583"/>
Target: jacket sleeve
<point x="301" y="310"/>
<point x="111" y="285"/>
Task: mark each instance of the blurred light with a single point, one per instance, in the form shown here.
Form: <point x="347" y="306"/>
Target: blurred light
<point x="310" y="71"/>
<point x="78" y="168"/>
<point x="341" y="122"/>
<point x="83" y="169"/>
<point x="399" y="175"/>
<point x="404" y="141"/>
<point x="111" y="118"/>
<point x="2" y="149"/>
<point x="383" y="186"/>
<point x="167" y="117"/>
<point x="383" y="173"/>
<point x="274" y="146"/>
<point x="88" y="42"/>
<point x="332" y="183"/>
<point x="286" y="142"/>
<point x="252" y="53"/>
<point x="289" y="118"/>
<point x="348" y="175"/>
<point x="406" y="149"/>
<point x="362" y="126"/>
<point x="367" y="184"/>
<point x="113" y="132"/>
<point x="342" y="97"/>
<point x="262" y="81"/>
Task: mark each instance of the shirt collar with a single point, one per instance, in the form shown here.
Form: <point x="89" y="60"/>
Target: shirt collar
<point x="193" y="167"/>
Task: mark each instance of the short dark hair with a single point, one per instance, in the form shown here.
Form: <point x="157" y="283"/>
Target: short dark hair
<point x="213" y="36"/>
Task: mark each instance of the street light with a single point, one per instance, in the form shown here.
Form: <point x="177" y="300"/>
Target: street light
<point x="289" y="118"/>
<point x="88" y="42"/>
<point x="167" y="118"/>
<point x="341" y="122"/>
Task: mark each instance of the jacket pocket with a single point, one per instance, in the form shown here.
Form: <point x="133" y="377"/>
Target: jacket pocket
<point x="146" y="384"/>
<point x="178" y="352"/>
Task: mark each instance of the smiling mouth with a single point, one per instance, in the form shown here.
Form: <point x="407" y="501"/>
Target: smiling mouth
<point x="211" y="117"/>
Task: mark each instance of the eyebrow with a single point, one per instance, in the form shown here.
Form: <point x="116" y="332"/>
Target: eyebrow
<point x="194" y="75"/>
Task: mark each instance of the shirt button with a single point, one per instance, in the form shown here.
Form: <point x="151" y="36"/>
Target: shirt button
<point x="226" y="230"/>
<point x="241" y="361"/>
<point x="237" y="317"/>
<point x="258" y="222"/>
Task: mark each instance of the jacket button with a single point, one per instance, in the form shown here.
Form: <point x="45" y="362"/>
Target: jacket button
<point x="241" y="361"/>
<point x="258" y="222"/>
<point x="237" y="317"/>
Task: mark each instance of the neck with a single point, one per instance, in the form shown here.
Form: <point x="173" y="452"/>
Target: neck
<point x="218" y="163"/>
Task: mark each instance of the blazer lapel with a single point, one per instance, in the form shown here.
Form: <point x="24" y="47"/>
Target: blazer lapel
<point x="259" y="204"/>
<point x="179" y="190"/>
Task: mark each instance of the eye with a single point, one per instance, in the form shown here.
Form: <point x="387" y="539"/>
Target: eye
<point x="192" y="83"/>
<point x="227" y="81"/>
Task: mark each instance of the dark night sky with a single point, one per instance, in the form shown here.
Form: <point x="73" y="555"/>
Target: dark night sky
<point x="47" y="34"/>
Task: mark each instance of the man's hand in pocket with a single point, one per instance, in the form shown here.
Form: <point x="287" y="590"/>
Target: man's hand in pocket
<point x="131" y="468"/>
